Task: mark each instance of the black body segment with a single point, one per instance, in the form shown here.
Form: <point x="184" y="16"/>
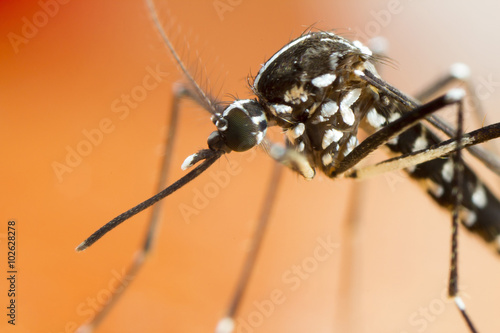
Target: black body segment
<point x="311" y="88"/>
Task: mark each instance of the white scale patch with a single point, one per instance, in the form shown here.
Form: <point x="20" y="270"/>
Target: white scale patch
<point x="295" y="132"/>
<point x="331" y="135"/>
<point x="345" y="106"/>
<point x="329" y="108"/>
<point x="327" y="159"/>
<point x="282" y="108"/>
<point x="362" y="48"/>
<point x="351" y="144"/>
<point x="467" y="216"/>
<point x="301" y="146"/>
<point x="479" y="196"/>
<point x="447" y="171"/>
<point x="334" y="59"/>
<point x="258" y="119"/>
<point x="420" y="143"/>
<point x="188" y="162"/>
<point x="394" y="141"/>
<point x="375" y="119"/>
<point x="323" y="80"/>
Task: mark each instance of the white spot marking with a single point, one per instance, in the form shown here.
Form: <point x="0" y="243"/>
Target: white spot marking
<point x="362" y="48"/>
<point x="334" y="59"/>
<point x="328" y="109"/>
<point x="460" y="304"/>
<point x="454" y="95"/>
<point x="467" y="216"/>
<point x="258" y="119"/>
<point x="479" y="197"/>
<point x="394" y="141"/>
<point x="359" y="73"/>
<point x="323" y="80"/>
<point x="345" y="106"/>
<point x="238" y="104"/>
<point x="351" y="144"/>
<point x="394" y="117"/>
<point x="460" y="71"/>
<point x="282" y="108"/>
<point x="331" y="135"/>
<point x="327" y="159"/>
<point x="260" y="137"/>
<point x="420" y="143"/>
<point x="299" y="129"/>
<point x="295" y="132"/>
<point x="447" y="171"/>
<point x="225" y="325"/>
<point x="301" y="146"/>
<point x="375" y="119"/>
<point x="188" y="161"/>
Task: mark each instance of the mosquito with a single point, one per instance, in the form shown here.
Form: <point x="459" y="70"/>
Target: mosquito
<point x="320" y="89"/>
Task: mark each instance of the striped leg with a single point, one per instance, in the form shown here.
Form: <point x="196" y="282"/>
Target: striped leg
<point x="226" y="324"/>
<point x="457" y="180"/>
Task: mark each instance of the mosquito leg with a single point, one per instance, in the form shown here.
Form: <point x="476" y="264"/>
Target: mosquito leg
<point x="491" y="161"/>
<point x="141" y="254"/>
<point x="457" y="193"/>
<point x="350" y="228"/>
<point x="459" y="74"/>
<point x="458" y="166"/>
<point x="226" y="325"/>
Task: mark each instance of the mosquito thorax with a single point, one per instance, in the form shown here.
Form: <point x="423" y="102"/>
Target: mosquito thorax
<point x="241" y="126"/>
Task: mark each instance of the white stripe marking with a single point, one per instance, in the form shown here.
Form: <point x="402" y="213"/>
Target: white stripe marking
<point x="329" y="109"/>
<point x="479" y="196"/>
<point x="375" y="119"/>
<point x="345" y="106"/>
<point x="447" y="171"/>
<point x="323" y="80"/>
<point x="330" y="136"/>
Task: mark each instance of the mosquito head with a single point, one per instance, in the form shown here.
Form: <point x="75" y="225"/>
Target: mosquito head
<point x="241" y="126"/>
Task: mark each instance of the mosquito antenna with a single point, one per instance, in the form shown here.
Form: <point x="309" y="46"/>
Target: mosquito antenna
<point x="210" y="156"/>
<point x="204" y="99"/>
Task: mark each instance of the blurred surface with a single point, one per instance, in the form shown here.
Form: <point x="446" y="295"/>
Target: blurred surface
<point x="63" y="89"/>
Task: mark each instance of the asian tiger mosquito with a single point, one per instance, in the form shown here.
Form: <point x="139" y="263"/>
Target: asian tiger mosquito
<point x="282" y="112"/>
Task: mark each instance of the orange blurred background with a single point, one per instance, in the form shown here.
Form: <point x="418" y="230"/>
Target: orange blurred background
<point x="62" y="81"/>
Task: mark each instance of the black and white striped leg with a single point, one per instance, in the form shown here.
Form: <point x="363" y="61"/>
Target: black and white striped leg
<point x="408" y="160"/>
<point x="458" y="180"/>
<point x="226" y="324"/>
<point x="489" y="160"/>
<point x="458" y="74"/>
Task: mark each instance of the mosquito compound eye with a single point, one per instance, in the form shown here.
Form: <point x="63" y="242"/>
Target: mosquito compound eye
<point x="242" y="125"/>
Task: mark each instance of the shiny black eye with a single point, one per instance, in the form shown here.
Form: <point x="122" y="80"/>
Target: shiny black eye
<point x="242" y="125"/>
